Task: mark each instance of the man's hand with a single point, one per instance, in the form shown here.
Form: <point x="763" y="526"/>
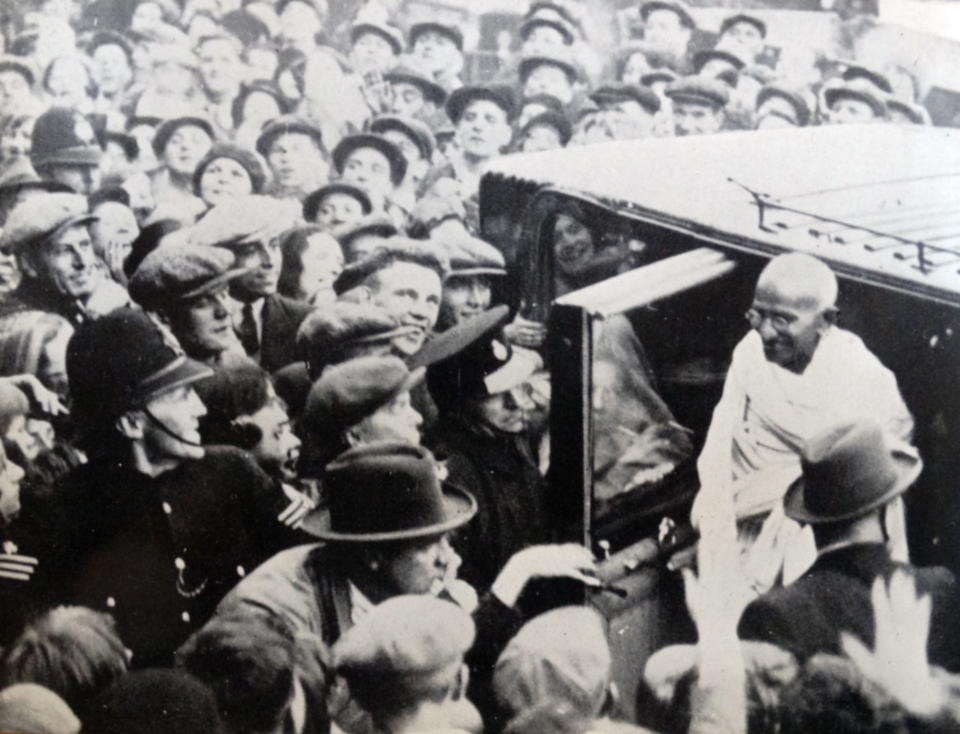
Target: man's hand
<point x="524" y="333"/>
<point x="568" y="560"/>
<point x="47" y="400"/>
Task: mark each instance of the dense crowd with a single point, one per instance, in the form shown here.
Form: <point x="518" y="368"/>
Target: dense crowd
<point x="274" y="455"/>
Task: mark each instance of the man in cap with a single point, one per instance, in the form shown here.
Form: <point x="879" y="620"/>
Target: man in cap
<point x="293" y="148"/>
<point x="743" y="35"/>
<point x="475" y="266"/>
<point x="221" y="74"/>
<point x="406" y="278"/>
<point x="792" y="376"/>
<point x="374" y="164"/>
<point x="716" y="63"/>
<point x="415" y="142"/>
<point x="251" y="227"/>
<point x="64" y="149"/>
<point x="155" y="528"/>
<point x="404" y="664"/>
<point x="852" y="482"/>
<point x="180" y="143"/>
<point x="187" y="287"/>
<point x="414" y="93"/>
<point x="554" y="73"/>
<point x="698" y="105"/>
<point x="374" y="46"/>
<point x="49" y="234"/>
<point x="336" y="206"/>
<point x="112" y="56"/>
<point x="668" y="25"/>
<point x="854" y="102"/>
<point x="631" y="109"/>
<point x="439" y="47"/>
<point x="780" y="106"/>
<point x="386" y="533"/>
<point x="546" y="131"/>
<point x="361" y="239"/>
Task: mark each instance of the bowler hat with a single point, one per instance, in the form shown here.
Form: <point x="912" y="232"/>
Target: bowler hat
<point x="471" y="256"/>
<point x="64" y="136"/>
<point x="313" y="202"/>
<point x="450" y="31"/>
<point x="282" y="126"/>
<point x="167" y="128"/>
<point x="405" y="72"/>
<point x="42" y="217"/>
<point x="674" y="6"/>
<point x="732" y="20"/>
<point x="387" y="491"/>
<point x="500" y="95"/>
<point x="848" y="471"/>
<point x="389" y="33"/>
<point x="416" y="130"/>
<point x="174" y="273"/>
<point x="398" y="163"/>
<point x="326" y="335"/>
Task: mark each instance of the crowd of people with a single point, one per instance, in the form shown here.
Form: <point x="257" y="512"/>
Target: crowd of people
<point x="274" y="455"/>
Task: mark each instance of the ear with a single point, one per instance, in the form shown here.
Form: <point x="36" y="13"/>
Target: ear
<point x="831" y="315"/>
<point x="131" y="424"/>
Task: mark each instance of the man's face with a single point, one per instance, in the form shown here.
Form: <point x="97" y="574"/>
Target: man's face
<point x="549" y="79"/>
<point x="14" y="90"/>
<point x="483" y="129"/>
<point x="185" y="148"/>
<point x="408" y="99"/>
<point x="691" y="118"/>
<point x="203" y="324"/>
<point x="368" y="169"/>
<point x="412" y="293"/>
<point x="664" y="29"/>
<point x="745" y="35"/>
<point x="541" y="39"/>
<point x="438" y="52"/>
<point x="83" y="180"/>
<point x="222" y="179"/>
<point x="279" y="448"/>
<point x="372" y="52"/>
<point x="508" y="411"/>
<point x="789" y="328"/>
<point x="11" y="475"/>
<point x="111" y="68"/>
<point x="296" y="160"/>
<point x="220" y="66"/>
<point x="420" y="566"/>
<point x="116" y="225"/>
<point x="180" y="411"/>
<point x="337" y="210"/>
<point x="264" y="258"/>
<point x="465" y="297"/>
<point x="398" y="420"/>
<point x="846" y="111"/>
<point x="66" y="265"/>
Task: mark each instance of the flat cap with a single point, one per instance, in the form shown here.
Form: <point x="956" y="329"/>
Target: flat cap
<point x="327" y="335"/>
<point x="792" y="96"/>
<point x="396" y="249"/>
<point x="348" y="392"/>
<point x="396" y="159"/>
<point x="407" y="72"/>
<point x="287" y="124"/>
<point x="561" y="654"/>
<point x="20" y="64"/>
<point x="174" y="273"/>
<point x="699" y="90"/>
<point x="732" y="20"/>
<point x="702" y="58"/>
<point x="558" y="58"/>
<point x="500" y="94"/>
<point x="417" y="130"/>
<point x="42" y="217"/>
<point x="658" y="75"/>
<point x="167" y="128"/>
<point x="557" y="120"/>
<point x="313" y="202"/>
<point x="617" y="92"/>
<point x="242" y="219"/>
<point x="64" y="136"/>
<point x="858" y="90"/>
<point x="675" y="6"/>
<point x="411" y="636"/>
<point x="470" y="255"/>
<point x="377" y="225"/>
<point x="450" y="31"/>
<point x="391" y="34"/>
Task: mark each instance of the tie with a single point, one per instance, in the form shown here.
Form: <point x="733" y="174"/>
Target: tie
<point x="248" y="331"/>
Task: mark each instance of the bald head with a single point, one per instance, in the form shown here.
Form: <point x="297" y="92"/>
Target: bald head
<point x="800" y="280"/>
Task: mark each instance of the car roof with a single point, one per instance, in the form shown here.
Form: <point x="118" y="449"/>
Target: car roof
<point x="877" y="201"/>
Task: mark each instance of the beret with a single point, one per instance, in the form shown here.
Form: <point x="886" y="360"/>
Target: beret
<point x="167" y="128"/>
<point x="699" y="90"/>
<point x="42" y="217"/>
<point x="554" y="58"/>
<point x="243" y="219"/>
<point x="175" y="273"/>
<point x="417" y="130"/>
<point x="501" y="95"/>
<point x="675" y="6"/>
<point x="561" y="654"/>
<point x="615" y="92"/>
<point x="732" y="20"/>
<point x="313" y="202"/>
<point x="328" y="333"/>
<point x="389" y="33"/>
<point x="409" y="635"/>
<point x="398" y="163"/>
<point x="860" y="91"/>
<point x="20" y="64"/>
<point x="348" y="392"/>
<point x="556" y="120"/>
<point x="396" y="249"/>
<point x="251" y="162"/>
<point x="284" y="125"/>
<point x="450" y="31"/>
<point x="407" y="73"/>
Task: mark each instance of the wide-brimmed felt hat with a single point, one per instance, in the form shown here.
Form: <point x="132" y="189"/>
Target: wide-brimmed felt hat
<point x="500" y="94"/>
<point x="794" y="98"/>
<point x="555" y="58"/>
<point x="450" y="31"/>
<point x="311" y="204"/>
<point x="619" y="92"/>
<point x="41" y="218"/>
<point x="389" y="33"/>
<point x="398" y="162"/>
<point x="675" y="6"/>
<point x="167" y="128"/>
<point x="848" y="471"/>
<point x="175" y="273"/>
<point x="732" y="20"/>
<point x="283" y="125"/>
<point x="406" y="72"/>
<point x="417" y="130"/>
<point x="861" y="92"/>
<point x="702" y="58"/>
<point x="387" y="492"/>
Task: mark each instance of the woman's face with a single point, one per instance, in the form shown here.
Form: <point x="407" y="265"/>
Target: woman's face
<point x="222" y="179"/>
<point x="16" y="138"/>
<point x="185" y="148"/>
<point x="322" y="263"/>
<point x="203" y="326"/>
<point x="573" y="246"/>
